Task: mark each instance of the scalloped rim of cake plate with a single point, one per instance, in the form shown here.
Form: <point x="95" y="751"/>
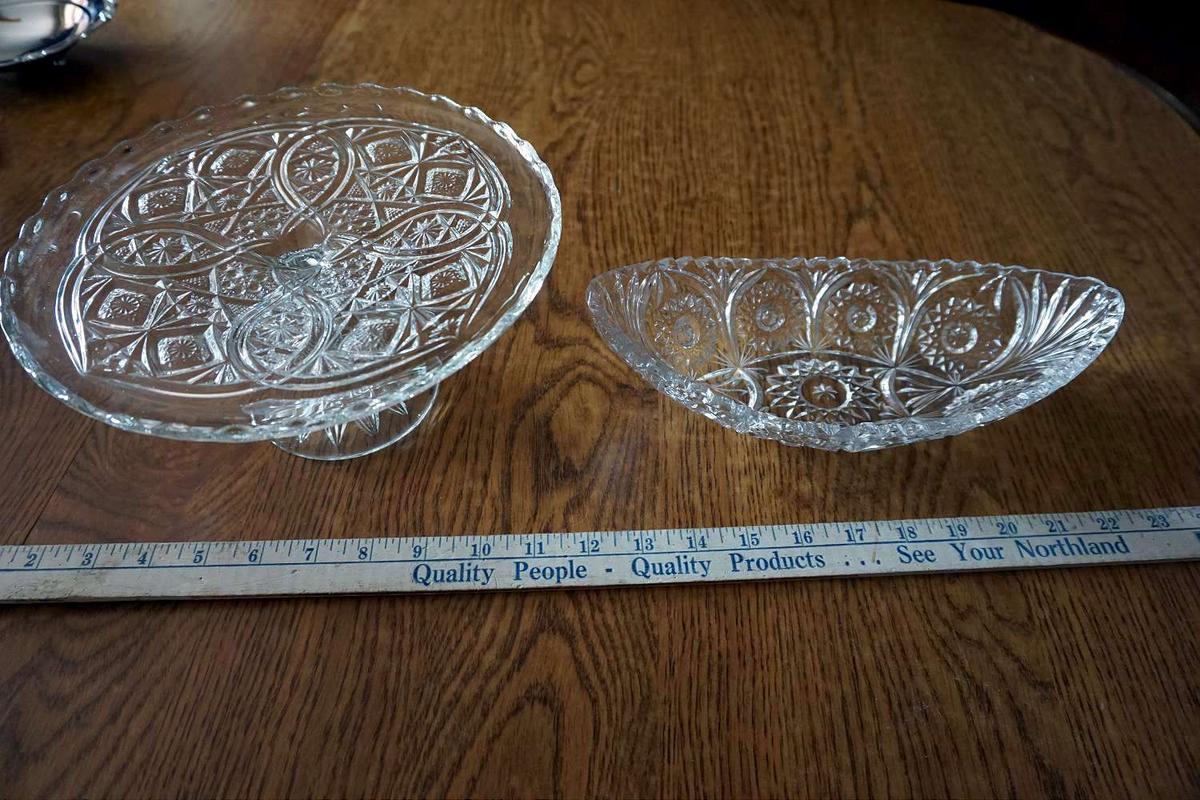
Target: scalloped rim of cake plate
<point x="699" y="397"/>
<point x="256" y="433"/>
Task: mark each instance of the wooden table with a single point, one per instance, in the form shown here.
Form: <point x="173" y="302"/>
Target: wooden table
<point x="898" y="130"/>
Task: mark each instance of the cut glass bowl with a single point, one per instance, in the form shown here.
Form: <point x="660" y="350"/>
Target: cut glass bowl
<point x="852" y="355"/>
<point x="303" y="267"/>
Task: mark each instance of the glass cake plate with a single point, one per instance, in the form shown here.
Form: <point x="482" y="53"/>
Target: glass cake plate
<point x="852" y="355"/>
<point x="303" y="267"/>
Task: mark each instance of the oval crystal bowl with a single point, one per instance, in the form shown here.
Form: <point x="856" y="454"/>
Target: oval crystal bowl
<point x="282" y="264"/>
<point x="852" y="355"/>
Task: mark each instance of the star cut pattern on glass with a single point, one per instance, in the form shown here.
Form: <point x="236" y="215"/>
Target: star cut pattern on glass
<point x="280" y="264"/>
<point x="847" y="354"/>
<point x="274" y="254"/>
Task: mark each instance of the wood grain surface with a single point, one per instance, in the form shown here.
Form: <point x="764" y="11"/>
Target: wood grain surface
<point x="898" y="130"/>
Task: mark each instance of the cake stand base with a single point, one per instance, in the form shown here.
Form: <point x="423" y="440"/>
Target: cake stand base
<point x="363" y="436"/>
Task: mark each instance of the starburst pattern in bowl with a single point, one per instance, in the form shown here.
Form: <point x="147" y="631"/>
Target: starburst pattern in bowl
<point x="850" y="354"/>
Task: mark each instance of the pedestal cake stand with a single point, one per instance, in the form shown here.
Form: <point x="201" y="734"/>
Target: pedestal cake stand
<point x="303" y="267"/>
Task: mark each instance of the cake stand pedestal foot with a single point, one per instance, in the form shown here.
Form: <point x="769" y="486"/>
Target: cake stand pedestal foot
<point x="363" y="436"/>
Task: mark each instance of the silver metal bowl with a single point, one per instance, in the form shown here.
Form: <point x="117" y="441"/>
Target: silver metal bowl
<point x="31" y="30"/>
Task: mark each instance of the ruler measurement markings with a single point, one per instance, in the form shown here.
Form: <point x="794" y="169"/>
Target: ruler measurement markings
<point x="647" y="545"/>
<point x="650" y="535"/>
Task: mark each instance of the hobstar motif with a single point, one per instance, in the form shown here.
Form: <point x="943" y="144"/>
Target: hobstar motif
<point x="852" y="355"/>
<point x="824" y="391"/>
<point x="281" y="265"/>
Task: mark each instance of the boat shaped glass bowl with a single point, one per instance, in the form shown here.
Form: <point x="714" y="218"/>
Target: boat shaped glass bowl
<point x="852" y="355"/>
<point x="303" y="267"/>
